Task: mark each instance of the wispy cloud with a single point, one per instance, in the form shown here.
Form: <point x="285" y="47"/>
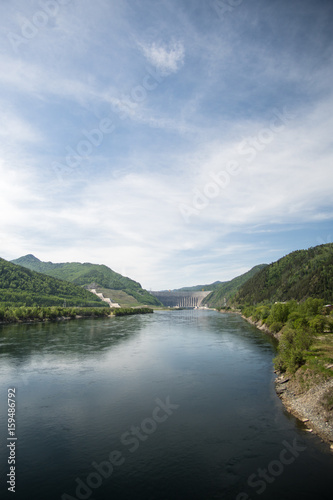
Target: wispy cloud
<point x="167" y="58"/>
<point x="186" y="95"/>
<point x="14" y="129"/>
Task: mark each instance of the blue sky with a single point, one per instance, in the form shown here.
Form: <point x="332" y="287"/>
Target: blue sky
<point x="179" y="142"/>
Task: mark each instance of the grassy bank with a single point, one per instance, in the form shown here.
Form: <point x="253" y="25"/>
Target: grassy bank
<point x="304" y="363"/>
<point x="128" y="311"/>
<point x="37" y="313"/>
<point x="304" y="331"/>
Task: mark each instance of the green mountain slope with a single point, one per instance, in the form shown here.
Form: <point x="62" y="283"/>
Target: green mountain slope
<point x="86" y="274"/>
<point x="20" y="286"/>
<point x="199" y="288"/>
<point x="228" y="289"/>
<point x="298" y="275"/>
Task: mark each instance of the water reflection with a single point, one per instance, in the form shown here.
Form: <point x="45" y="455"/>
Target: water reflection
<point x="83" y="384"/>
<point x="83" y="337"/>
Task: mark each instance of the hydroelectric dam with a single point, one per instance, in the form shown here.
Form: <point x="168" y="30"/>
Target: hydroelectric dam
<point x="181" y="299"/>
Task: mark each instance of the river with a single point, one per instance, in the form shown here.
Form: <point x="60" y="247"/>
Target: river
<point x="176" y="405"/>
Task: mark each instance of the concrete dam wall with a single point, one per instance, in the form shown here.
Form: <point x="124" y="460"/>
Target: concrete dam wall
<point x="181" y="299"/>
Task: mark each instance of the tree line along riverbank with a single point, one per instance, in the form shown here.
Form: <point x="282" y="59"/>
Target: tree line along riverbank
<point x="24" y="314"/>
<point x="304" y="361"/>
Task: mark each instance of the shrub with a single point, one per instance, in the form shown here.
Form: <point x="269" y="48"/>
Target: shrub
<point x="293" y="316"/>
<point x="318" y="324"/>
<point x="276" y="326"/>
<point x="247" y="312"/>
<point x="329" y="324"/>
<point x="279" y="312"/>
<point x="301" y="324"/>
<point x="261" y="313"/>
<point x="279" y="363"/>
<point x="292" y="349"/>
<point x="311" y="307"/>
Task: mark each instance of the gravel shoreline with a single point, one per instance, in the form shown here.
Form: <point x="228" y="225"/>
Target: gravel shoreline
<point x="305" y="405"/>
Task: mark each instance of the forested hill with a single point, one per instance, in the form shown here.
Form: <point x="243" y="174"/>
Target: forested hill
<point x="20" y="286"/>
<point x="226" y="290"/>
<point x="87" y="274"/>
<point x="199" y="288"/>
<point x="298" y="275"/>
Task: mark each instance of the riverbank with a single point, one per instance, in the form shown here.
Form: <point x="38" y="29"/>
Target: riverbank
<point x="305" y="394"/>
<point x="309" y="405"/>
<point x="261" y="326"/>
<point x="12" y="315"/>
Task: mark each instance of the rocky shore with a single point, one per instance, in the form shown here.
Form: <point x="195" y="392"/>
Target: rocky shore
<point x="308" y="405"/>
<point x="261" y="326"/>
<point x="305" y="396"/>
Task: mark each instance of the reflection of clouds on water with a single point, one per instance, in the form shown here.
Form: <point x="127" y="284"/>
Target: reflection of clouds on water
<point x="53" y="368"/>
<point x="69" y="339"/>
<point x="30" y="353"/>
<point x="25" y="375"/>
<point x="75" y="406"/>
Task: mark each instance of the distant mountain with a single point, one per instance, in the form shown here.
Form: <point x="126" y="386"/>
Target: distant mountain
<point x="87" y="274"/>
<point x="226" y="291"/>
<point x="20" y="286"/>
<point x="298" y="275"/>
<point x="199" y="288"/>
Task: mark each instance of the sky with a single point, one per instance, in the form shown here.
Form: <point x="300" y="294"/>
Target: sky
<point x="178" y="142"/>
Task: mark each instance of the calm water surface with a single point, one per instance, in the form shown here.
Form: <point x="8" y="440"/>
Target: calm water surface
<point x="169" y="406"/>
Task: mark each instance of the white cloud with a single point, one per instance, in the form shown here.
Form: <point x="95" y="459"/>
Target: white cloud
<point x="83" y="66"/>
<point x="283" y="179"/>
<point x="166" y="58"/>
<point x="15" y="129"/>
<point x="134" y="225"/>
